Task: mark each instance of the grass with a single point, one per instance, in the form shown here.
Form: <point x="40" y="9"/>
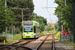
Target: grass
<point x="43" y="33"/>
<point x="58" y="35"/>
<point x="69" y="44"/>
<point x="17" y="37"/>
<point x="53" y="31"/>
<point x="9" y="42"/>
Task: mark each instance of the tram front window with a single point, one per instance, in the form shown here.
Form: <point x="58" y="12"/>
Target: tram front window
<point x="27" y="29"/>
<point x="28" y="26"/>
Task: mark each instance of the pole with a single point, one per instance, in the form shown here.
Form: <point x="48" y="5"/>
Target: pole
<point x="65" y="2"/>
<point x="35" y="16"/>
<point x="14" y="28"/>
<point x="5" y="3"/>
<point x="66" y="22"/>
<point x="6" y="19"/>
<point x="22" y="14"/>
<point x="12" y="31"/>
<point x="61" y="24"/>
<point x="74" y="21"/>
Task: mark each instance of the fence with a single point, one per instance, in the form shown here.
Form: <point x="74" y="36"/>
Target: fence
<point x="9" y="36"/>
<point x="65" y="38"/>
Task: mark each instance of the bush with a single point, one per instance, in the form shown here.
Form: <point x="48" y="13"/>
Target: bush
<point x="58" y="35"/>
<point x="43" y="33"/>
<point x="17" y="30"/>
<point x="17" y="37"/>
<point x="2" y="38"/>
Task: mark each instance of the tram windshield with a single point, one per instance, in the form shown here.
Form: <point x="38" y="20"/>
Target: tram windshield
<point x="27" y="29"/>
<point x="28" y="26"/>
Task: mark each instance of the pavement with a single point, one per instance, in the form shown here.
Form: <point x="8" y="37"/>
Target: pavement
<point x="60" y="46"/>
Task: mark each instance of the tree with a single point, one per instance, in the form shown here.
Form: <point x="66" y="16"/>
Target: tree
<point x="65" y="13"/>
<point x="41" y="20"/>
<point x="18" y="13"/>
<point x="6" y="17"/>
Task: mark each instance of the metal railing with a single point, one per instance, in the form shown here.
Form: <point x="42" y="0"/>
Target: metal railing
<point x="65" y="38"/>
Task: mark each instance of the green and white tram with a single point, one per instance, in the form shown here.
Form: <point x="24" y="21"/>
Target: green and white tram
<point x="30" y="29"/>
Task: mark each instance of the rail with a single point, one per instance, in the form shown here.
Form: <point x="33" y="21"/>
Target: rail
<point x="37" y="48"/>
<point x="53" y="46"/>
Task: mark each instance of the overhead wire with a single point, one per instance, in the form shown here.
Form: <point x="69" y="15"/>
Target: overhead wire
<point x="48" y="10"/>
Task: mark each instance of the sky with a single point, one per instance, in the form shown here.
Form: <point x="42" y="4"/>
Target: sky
<point x="47" y="13"/>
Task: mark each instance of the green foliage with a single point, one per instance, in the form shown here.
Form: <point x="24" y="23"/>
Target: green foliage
<point x="14" y="16"/>
<point x="6" y="17"/>
<point x="58" y="35"/>
<point x="50" y="28"/>
<point x="43" y="33"/>
<point x="69" y="44"/>
<point x="2" y="38"/>
<point x="66" y="14"/>
<point x="17" y="37"/>
<point x="17" y="29"/>
<point x="18" y="13"/>
<point x="42" y="21"/>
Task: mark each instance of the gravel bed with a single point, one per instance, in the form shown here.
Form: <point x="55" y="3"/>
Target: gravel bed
<point x="47" y="44"/>
<point x="21" y="42"/>
<point x="34" y="44"/>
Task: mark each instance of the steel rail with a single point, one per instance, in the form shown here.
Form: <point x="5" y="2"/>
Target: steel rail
<point x="37" y="48"/>
<point x="16" y="43"/>
<point x="25" y="43"/>
<point x="53" y="43"/>
<point x="13" y="47"/>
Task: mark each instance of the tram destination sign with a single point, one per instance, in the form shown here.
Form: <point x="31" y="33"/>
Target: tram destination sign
<point x="28" y="23"/>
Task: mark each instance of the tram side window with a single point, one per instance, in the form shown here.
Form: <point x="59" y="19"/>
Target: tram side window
<point x="34" y="29"/>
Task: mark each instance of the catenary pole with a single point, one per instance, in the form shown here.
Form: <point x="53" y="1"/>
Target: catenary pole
<point x="22" y="14"/>
<point x="6" y="19"/>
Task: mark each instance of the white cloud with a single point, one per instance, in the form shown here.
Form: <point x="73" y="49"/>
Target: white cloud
<point x="39" y="4"/>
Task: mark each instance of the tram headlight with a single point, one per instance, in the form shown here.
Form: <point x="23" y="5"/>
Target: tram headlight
<point x="31" y="34"/>
<point x="23" y="34"/>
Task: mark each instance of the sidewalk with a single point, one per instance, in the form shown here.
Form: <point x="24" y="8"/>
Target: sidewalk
<point x="61" y="46"/>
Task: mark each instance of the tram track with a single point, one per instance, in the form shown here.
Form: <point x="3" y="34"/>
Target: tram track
<point x="47" y="41"/>
<point x="22" y="42"/>
<point x="37" y="48"/>
<point x="38" y="44"/>
<point x="16" y="46"/>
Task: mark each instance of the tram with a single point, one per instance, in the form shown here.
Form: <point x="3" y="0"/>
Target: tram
<point x="30" y="29"/>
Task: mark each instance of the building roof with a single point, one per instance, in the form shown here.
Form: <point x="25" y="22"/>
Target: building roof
<point x="50" y="23"/>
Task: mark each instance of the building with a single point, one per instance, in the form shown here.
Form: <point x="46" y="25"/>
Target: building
<point x="51" y="24"/>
